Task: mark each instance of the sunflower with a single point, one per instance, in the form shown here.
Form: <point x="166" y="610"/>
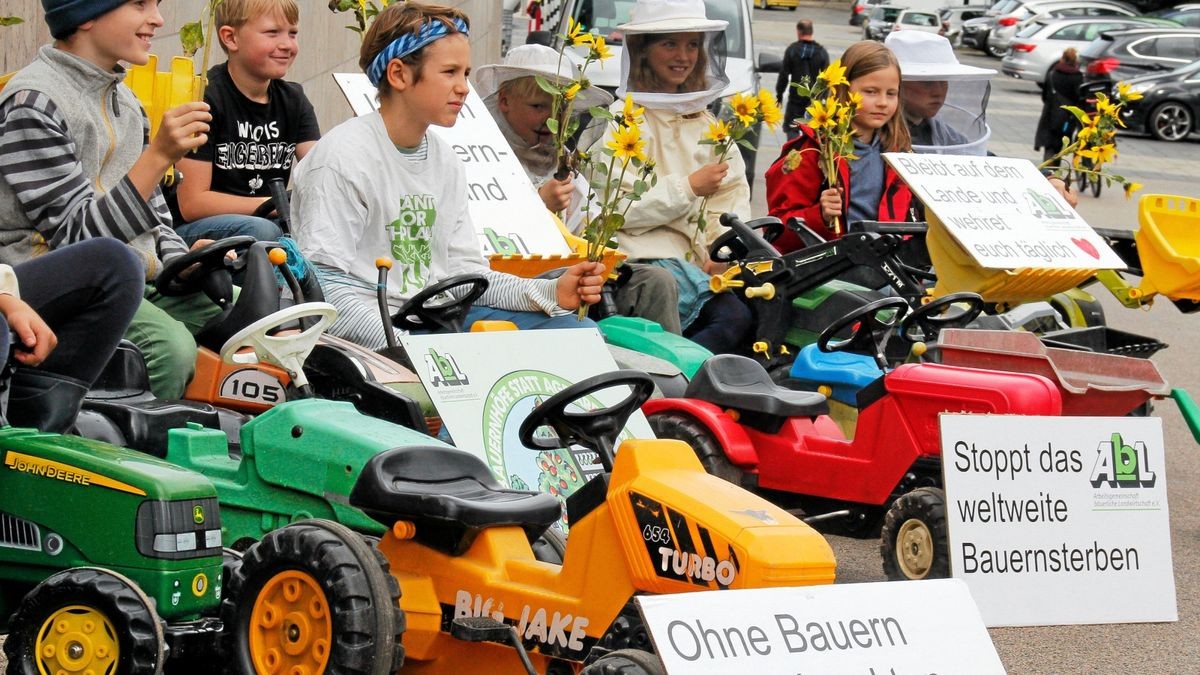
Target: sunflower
<point x="571" y="91"/>
<point x="769" y="107"/>
<point x="631" y="115"/>
<point x="627" y="144"/>
<point x="834" y="75"/>
<point x="819" y="115"/>
<point x="1125" y="95"/>
<point x="745" y="108"/>
<point x="1131" y="188"/>
<point x="855" y="100"/>
<point x="1104" y="154"/>
<point x="599" y="49"/>
<point x="576" y="35"/>
<point x="718" y="131"/>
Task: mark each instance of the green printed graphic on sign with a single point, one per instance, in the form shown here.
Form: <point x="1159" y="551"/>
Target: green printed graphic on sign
<point x="556" y="472"/>
<point x="411" y="233"/>
<point x="1121" y="465"/>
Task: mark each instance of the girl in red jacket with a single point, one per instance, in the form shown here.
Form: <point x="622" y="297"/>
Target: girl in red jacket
<point x="868" y="188"/>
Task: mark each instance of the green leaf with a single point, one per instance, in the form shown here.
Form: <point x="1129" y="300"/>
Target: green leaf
<point x="746" y="144"/>
<point x="10" y="20"/>
<point x="1079" y="114"/>
<point x="191" y="36"/>
<point x="547" y="86"/>
<point x="601" y="168"/>
<point x="552" y="125"/>
<point x="600" y="113"/>
<point x="640" y="186"/>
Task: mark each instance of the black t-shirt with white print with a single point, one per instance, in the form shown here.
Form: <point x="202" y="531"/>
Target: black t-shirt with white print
<point x="250" y="142"/>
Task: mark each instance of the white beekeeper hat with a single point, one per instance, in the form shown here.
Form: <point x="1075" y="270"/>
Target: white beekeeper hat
<point x="670" y="16"/>
<point x="925" y="56"/>
<point x="533" y="60"/>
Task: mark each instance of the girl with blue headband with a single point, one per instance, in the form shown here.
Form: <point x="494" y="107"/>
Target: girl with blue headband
<point x="379" y="185"/>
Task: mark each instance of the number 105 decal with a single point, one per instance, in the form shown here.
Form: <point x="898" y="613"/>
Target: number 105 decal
<point x="252" y="385"/>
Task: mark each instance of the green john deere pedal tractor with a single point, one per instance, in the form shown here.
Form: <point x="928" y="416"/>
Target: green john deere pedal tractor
<point x="110" y="560"/>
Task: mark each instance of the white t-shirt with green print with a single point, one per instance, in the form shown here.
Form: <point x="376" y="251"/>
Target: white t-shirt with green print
<point x="356" y="198"/>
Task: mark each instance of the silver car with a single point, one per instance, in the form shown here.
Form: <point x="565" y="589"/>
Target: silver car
<point x="879" y="21"/>
<point x="1010" y="22"/>
<point x="953" y="18"/>
<point x="1040" y="43"/>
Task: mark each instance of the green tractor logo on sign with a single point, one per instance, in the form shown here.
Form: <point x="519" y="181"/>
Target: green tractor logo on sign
<point x="1121" y="465"/>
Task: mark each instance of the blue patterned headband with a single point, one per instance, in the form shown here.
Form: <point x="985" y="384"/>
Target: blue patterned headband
<point x="408" y="43"/>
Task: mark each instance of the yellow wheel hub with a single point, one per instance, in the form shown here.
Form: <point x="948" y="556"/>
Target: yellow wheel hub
<point x="914" y="549"/>
<point x="290" y="626"/>
<point x="77" y="639"/>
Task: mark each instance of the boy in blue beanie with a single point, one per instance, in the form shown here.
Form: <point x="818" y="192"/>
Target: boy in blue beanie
<point x="76" y="163"/>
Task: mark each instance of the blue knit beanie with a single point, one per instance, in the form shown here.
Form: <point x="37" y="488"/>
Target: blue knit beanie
<point x="64" y="16"/>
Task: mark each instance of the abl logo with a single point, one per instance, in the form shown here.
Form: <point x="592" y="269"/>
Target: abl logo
<point x="1120" y="465"/>
<point x="444" y="370"/>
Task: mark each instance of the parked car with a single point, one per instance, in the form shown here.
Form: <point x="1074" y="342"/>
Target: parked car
<point x="952" y="21"/>
<point x="1008" y="24"/>
<point x="1185" y="15"/>
<point x="790" y="5"/>
<point x="916" y="19"/>
<point x="975" y="31"/>
<point x="1122" y="55"/>
<point x="1040" y="43"/>
<point x="860" y="10"/>
<point x="1170" y="103"/>
<point x="880" y="21"/>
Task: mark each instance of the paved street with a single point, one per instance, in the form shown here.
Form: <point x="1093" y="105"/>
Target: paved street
<point x="1167" y="168"/>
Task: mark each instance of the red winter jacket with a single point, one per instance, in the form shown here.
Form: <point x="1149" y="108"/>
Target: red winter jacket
<point x="797" y="193"/>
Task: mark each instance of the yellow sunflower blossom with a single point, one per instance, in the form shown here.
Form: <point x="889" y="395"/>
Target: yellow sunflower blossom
<point x="627" y="144"/>
<point x="1087" y="133"/>
<point x="855" y="99"/>
<point x="571" y="91"/>
<point x="792" y="161"/>
<point x="631" y="115"/>
<point x="834" y="75"/>
<point x="745" y="108"/>
<point x="1104" y="107"/>
<point x="718" y="131"/>
<point x="772" y="116"/>
<point x="600" y="50"/>
<point x="1105" y="153"/>
<point x="819" y="115"/>
<point x="1125" y="94"/>
<point x="577" y="36"/>
<point x="1131" y="188"/>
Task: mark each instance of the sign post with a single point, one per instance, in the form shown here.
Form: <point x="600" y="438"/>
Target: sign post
<point x="1059" y="520"/>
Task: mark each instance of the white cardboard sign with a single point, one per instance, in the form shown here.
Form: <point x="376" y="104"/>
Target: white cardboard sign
<point x="509" y="216"/>
<point x="1003" y="212"/>
<point x="1059" y="520"/>
<point x="885" y="628"/>
<point x="485" y="384"/>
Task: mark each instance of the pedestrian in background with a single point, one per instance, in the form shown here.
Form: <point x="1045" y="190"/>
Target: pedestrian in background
<point x="804" y="58"/>
<point x="1061" y="88"/>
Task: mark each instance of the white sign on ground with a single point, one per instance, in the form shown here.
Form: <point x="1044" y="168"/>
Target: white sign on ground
<point x="485" y="384"/>
<point x="883" y="628"/>
<point x="1003" y="212"/>
<point x="1059" y="520"/>
<point x="509" y="216"/>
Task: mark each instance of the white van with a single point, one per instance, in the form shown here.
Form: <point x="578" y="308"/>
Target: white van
<point x="603" y="16"/>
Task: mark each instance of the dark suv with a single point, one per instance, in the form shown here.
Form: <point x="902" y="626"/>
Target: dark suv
<point x="1120" y="55"/>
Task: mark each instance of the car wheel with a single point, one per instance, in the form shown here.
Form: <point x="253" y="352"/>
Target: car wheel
<point x="626" y="662"/>
<point x="1170" y="121"/>
<point x="915" y="541"/>
<point x="993" y="50"/>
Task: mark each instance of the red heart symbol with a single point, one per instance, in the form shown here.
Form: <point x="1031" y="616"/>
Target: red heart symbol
<point x="1087" y="247"/>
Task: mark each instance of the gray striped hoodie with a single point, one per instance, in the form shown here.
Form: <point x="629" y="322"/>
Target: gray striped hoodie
<point x="69" y="133"/>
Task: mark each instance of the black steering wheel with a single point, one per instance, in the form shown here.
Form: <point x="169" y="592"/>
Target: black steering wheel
<point x="730" y="247"/>
<point x="871" y="333"/>
<point x="210" y="258"/>
<point x="441" y="307"/>
<point x="955" y="310"/>
<point x="595" y="429"/>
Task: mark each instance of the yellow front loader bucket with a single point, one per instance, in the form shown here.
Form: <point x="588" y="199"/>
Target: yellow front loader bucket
<point x="1168" y="246"/>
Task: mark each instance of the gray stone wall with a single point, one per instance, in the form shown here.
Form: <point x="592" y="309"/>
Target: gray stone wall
<point x="326" y="46"/>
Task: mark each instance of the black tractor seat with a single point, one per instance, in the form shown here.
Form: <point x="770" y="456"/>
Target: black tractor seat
<point x="450" y="496"/>
<point x="741" y="383"/>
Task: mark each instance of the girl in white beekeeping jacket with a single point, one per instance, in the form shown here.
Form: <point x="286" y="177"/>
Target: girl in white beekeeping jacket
<point x="673" y="65"/>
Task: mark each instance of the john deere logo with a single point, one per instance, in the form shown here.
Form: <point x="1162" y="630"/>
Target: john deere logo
<point x="1121" y="465"/>
<point x="198" y="514"/>
<point x="444" y="370"/>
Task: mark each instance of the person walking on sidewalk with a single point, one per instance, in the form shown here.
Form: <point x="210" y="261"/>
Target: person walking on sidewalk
<point x="804" y="58"/>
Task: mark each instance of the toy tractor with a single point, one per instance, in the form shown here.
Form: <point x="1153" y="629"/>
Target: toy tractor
<point x="110" y="561"/>
<point x="472" y="590"/>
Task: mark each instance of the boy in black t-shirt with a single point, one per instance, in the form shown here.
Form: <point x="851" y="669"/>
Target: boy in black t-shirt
<point x="261" y="125"/>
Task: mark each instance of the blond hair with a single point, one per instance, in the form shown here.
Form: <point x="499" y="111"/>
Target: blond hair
<point x="523" y="89"/>
<point x="862" y="59"/>
<point x="237" y="13"/>
<point x="400" y="18"/>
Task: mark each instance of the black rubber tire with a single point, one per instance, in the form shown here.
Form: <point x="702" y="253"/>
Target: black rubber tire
<point x="922" y="514"/>
<point x="138" y="629"/>
<point x="551" y="547"/>
<point x="363" y="597"/>
<point x="1178" y="126"/>
<point x="994" y="52"/>
<point x="626" y="662"/>
<point x="688" y="429"/>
